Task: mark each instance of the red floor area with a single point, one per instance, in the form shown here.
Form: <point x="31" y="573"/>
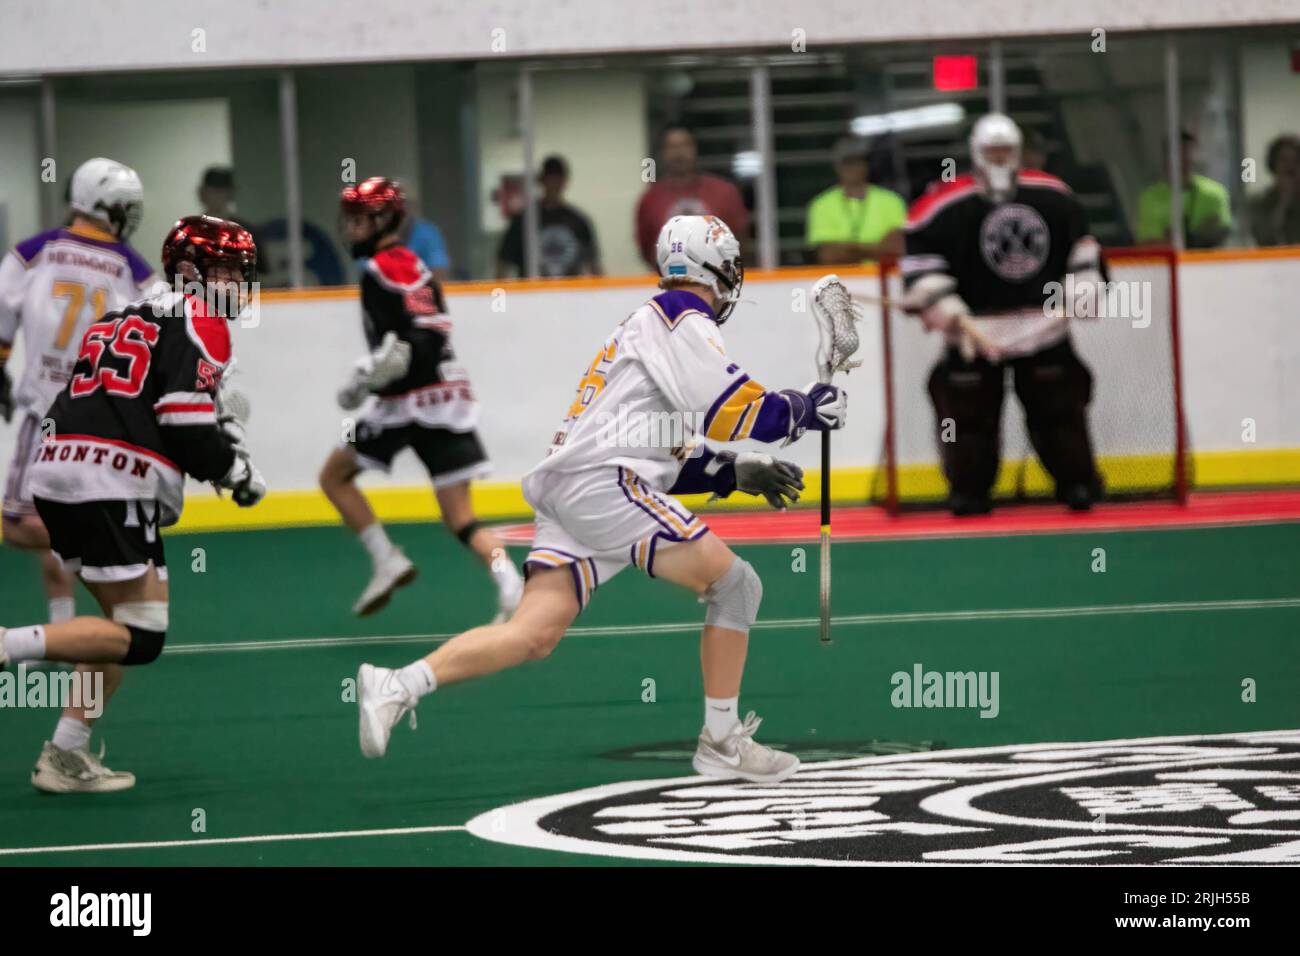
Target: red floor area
<point x="1225" y="508"/>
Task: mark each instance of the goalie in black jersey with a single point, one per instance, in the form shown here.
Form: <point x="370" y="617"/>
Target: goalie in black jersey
<point x="422" y="400"/>
<point x="982" y="254"/>
<point x="141" y="412"/>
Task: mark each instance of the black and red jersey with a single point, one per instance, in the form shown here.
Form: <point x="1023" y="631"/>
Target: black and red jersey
<point x="399" y="294"/>
<point x="139" y="413"/>
<point x="1002" y="255"/>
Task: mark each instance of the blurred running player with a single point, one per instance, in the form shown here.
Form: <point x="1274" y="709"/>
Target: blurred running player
<point x="52" y="286"/>
<point x="139" y="413"/>
<point x="423" y="400"/>
<point x="602" y="499"/>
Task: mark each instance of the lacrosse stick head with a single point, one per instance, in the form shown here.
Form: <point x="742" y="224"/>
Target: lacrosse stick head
<point x="837" y="316"/>
<point x="234" y="404"/>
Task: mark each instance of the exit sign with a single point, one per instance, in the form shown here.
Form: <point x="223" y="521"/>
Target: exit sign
<point x="956" y="72"/>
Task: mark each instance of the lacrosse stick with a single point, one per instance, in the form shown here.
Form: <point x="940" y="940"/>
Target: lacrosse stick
<point x="230" y="404"/>
<point x="972" y="339"/>
<point x="836" y="317"/>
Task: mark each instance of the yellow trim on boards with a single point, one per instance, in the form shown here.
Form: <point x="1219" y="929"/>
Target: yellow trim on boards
<point x="498" y="500"/>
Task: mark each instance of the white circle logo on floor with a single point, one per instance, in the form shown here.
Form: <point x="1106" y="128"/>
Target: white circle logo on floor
<point x="1223" y="799"/>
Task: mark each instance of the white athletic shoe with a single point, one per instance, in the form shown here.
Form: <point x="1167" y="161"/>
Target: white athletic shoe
<point x="739" y="755"/>
<point x="508" y="599"/>
<point x="383" y="701"/>
<point x="77" y="771"/>
<point x="395" y="571"/>
<point x="4" y="658"/>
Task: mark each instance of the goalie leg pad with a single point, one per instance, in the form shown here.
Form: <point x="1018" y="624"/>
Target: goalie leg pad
<point x="147" y="622"/>
<point x="733" y="599"/>
<point x="1055" y="388"/>
<point x="967" y="398"/>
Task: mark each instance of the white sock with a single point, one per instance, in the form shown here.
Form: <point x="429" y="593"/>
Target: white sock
<point x="418" y="678"/>
<point x="25" y="643"/>
<point x="720" y="716"/>
<point x="71" y="734"/>
<point x="62" y="609"/>
<point x="375" y="538"/>
<point x="507" y="576"/>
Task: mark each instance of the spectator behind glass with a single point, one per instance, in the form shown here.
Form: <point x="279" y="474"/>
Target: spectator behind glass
<point x="424" y="238"/>
<point x="854" y="220"/>
<point x="681" y="190"/>
<point x="1275" y="213"/>
<point x="566" y="239"/>
<point x="216" y="194"/>
<point x="1207" y="215"/>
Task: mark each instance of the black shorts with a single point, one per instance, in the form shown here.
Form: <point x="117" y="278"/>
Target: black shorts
<point x="105" y="541"/>
<point x="450" y="457"/>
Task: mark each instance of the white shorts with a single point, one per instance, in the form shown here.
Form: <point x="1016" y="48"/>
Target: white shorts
<point x="597" y="522"/>
<point x="18" y="486"/>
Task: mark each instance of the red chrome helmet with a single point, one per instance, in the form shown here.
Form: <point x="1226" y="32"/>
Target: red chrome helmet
<point x="207" y="241"/>
<point x="378" y="197"/>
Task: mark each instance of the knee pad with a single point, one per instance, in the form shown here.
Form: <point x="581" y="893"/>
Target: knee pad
<point x="467" y="532"/>
<point x="147" y="623"/>
<point x="733" y="599"/>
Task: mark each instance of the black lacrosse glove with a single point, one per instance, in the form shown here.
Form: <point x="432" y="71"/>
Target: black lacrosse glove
<point x="6" y="397"/>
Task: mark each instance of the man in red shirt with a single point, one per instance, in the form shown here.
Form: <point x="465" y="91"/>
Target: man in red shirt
<point x="681" y="190"/>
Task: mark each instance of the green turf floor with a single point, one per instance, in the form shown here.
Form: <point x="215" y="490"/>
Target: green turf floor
<point x="261" y="741"/>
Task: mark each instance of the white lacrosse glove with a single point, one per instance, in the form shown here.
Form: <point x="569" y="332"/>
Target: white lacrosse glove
<point x="244" y="480"/>
<point x="934" y="298"/>
<point x="779" y="482"/>
<point x="1088" y="284"/>
<point x="830" y="406"/>
<point x="376" y="370"/>
<point x="820" y="407"/>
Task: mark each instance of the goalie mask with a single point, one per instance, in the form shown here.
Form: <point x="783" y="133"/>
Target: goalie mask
<point x="106" y="190"/>
<point x="703" y="250"/>
<point x="382" y="201"/>
<point x="995" y="154"/>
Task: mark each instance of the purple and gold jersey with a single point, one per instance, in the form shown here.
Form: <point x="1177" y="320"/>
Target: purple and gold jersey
<point x="660" y="384"/>
<point x="53" y="286"/>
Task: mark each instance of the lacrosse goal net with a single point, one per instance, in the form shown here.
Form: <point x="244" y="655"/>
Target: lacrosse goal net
<point x="1136" y="415"/>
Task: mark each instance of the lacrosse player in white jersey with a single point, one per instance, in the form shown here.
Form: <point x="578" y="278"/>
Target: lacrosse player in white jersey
<point x="632" y="437"/>
<point x="53" y="286"/>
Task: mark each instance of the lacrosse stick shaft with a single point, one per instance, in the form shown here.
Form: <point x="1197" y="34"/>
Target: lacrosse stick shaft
<point x="826" y="540"/>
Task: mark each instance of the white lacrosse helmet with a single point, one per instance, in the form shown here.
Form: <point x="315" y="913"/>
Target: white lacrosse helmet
<point x="702" y="249"/>
<point x="998" y="180"/>
<point x="107" y="190"/>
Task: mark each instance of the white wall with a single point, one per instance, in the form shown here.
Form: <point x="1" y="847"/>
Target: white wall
<point x="169" y="143"/>
<point x="20" y="169"/>
<point x="595" y="119"/>
<point x="85" y="35"/>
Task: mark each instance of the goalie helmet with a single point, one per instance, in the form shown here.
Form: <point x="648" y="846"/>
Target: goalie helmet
<point x="380" y="198"/>
<point x="704" y="250"/>
<point x="997" y="180"/>
<point x="105" y="189"/>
